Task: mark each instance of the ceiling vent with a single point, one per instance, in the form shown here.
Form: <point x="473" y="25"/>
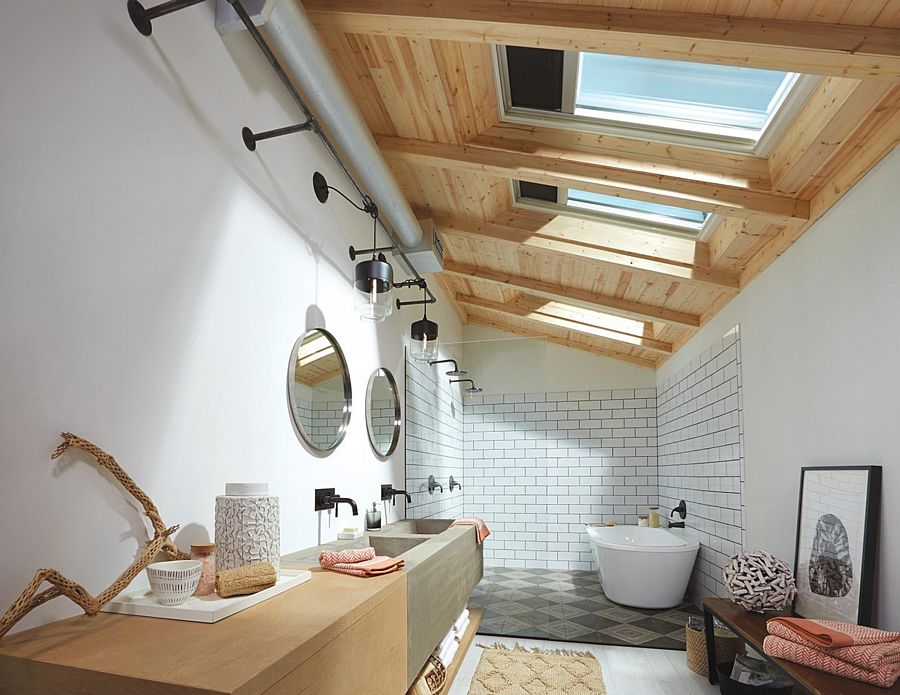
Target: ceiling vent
<point x="427" y="257"/>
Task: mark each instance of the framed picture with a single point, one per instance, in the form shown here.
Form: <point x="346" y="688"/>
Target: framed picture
<point x="837" y="539"/>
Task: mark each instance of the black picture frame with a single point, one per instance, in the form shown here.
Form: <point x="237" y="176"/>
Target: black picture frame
<point x="865" y="576"/>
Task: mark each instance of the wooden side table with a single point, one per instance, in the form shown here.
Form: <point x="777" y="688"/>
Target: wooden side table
<point x="751" y="627"/>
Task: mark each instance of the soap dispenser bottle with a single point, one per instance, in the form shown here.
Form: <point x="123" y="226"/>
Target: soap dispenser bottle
<point x="373" y="519"/>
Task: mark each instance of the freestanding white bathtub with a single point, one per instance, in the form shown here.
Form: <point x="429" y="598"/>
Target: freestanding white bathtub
<point x="643" y="567"/>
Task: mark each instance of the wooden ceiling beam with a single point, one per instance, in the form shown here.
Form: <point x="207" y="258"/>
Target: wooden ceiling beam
<point x="599" y="302"/>
<point x="533" y="311"/>
<point x="539" y="334"/>
<point x="619" y="259"/>
<point x="808" y="47"/>
<point x="609" y="175"/>
<point x="828" y="119"/>
<point x="700" y="163"/>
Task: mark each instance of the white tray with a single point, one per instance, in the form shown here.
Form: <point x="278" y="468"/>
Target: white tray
<point x="201" y="609"/>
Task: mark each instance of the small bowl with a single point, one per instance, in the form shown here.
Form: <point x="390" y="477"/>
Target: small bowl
<point x="174" y="582"/>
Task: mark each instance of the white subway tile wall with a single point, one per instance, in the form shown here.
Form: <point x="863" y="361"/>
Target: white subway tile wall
<point x="538" y="466"/>
<point x="701" y="461"/>
<point x="321" y="420"/>
<point x="434" y="442"/>
<point x="541" y="465"/>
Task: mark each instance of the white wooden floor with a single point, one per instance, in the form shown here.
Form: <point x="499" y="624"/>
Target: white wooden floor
<point x="626" y="670"/>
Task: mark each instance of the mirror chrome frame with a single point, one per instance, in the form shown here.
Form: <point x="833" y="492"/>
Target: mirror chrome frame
<point x="348" y="393"/>
<point x="398" y="419"/>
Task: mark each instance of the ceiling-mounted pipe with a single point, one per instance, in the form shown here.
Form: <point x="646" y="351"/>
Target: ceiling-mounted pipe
<point x="305" y="57"/>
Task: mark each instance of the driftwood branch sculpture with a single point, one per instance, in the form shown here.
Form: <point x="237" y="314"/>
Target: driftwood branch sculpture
<point x="61" y="585"/>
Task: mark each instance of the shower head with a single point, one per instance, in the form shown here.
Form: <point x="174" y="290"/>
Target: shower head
<point x="472" y="389"/>
<point x="456" y="371"/>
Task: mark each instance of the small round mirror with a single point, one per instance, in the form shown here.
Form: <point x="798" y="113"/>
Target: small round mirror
<point x="383" y="412"/>
<point x="319" y="390"/>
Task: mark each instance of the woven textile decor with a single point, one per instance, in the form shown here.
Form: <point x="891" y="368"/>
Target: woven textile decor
<point x="520" y="671"/>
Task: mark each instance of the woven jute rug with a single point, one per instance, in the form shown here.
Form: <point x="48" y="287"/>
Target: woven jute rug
<point x="520" y="671"/>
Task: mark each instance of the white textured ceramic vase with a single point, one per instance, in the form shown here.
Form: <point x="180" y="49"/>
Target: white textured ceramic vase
<point x="248" y="530"/>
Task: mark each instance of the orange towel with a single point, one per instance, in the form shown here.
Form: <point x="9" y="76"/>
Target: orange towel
<point x="861" y="646"/>
<point x="821" y="660"/>
<point x="360" y="562"/>
<point x="828" y="634"/>
<point x="481" y="529"/>
<point x="329" y="558"/>
<point x="380" y="564"/>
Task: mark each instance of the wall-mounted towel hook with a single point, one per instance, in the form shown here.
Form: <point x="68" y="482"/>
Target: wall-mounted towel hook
<point x="432" y="484"/>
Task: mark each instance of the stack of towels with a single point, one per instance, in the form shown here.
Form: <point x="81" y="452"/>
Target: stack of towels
<point x="448" y="647"/>
<point x="852" y="651"/>
<point x="360" y="562"/>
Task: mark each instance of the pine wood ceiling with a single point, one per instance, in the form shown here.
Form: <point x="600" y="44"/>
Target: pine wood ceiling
<point x="422" y="75"/>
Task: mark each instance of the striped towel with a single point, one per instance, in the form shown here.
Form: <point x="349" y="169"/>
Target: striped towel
<point x="359" y="562"/>
<point x="852" y="651"/>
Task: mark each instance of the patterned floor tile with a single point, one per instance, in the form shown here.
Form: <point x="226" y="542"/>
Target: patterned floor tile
<point x="677" y="635"/>
<point x="678" y="616"/>
<point x="630" y="634"/>
<point x="621" y="615"/>
<point x="570" y="606"/>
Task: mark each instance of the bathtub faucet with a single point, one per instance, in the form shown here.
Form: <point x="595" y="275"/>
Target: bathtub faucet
<point x="682" y="512"/>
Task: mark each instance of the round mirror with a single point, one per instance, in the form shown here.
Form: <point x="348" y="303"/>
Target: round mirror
<point x="319" y="390"/>
<point x="383" y="412"/>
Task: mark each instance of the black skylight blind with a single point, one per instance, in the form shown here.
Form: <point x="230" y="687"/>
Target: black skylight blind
<point x="537" y="191"/>
<point x="535" y="77"/>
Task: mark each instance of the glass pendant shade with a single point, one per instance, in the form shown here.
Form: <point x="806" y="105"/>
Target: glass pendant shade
<point x="372" y="289"/>
<point x="423" y="342"/>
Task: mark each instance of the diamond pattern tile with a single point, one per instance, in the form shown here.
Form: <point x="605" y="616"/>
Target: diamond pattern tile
<point x="621" y="615"/>
<point x="630" y="634"/>
<point x="571" y="606"/>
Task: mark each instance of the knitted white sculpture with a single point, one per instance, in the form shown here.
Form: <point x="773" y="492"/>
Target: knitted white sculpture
<point x="759" y="581"/>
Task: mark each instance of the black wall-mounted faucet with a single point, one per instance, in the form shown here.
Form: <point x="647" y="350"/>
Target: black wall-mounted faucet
<point x="452" y="483"/>
<point x="389" y="493"/>
<point x="681" y="510"/>
<point x="432" y="484"/>
<point x="326" y="498"/>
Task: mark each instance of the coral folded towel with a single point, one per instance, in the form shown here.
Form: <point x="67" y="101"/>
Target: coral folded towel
<point x="481" y="529"/>
<point x="852" y="651"/>
<point x="360" y="562"/>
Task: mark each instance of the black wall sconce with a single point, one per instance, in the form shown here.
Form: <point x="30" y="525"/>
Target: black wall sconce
<point x="142" y="18"/>
<point x="250" y="138"/>
<point x="373" y="279"/>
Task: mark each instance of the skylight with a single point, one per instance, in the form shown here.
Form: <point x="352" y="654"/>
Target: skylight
<point x="637" y="209"/>
<point x="667" y="219"/>
<point x="714" y="98"/>
<point x="721" y="106"/>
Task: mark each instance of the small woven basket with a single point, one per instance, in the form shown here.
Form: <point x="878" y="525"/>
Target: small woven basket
<point x="728" y="646"/>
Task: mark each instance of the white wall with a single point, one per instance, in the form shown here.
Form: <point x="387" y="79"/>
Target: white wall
<point x="821" y="378"/>
<point x="153" y="278"/>
<point x="502" y="363"/>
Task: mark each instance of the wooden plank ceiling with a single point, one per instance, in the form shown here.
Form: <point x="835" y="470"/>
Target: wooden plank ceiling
<point x="421" y="72"/>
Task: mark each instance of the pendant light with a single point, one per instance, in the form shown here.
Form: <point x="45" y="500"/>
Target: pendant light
<point x="372" y="285"/>
<point x="423" y="338"/>
<point x="373" y="279"/>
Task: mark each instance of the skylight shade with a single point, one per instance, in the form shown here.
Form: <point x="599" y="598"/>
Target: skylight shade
<point x="637" y="209"/>
<point x="697" y="93"/>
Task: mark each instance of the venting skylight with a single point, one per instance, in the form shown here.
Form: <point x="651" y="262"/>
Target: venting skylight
<point x="728" y="106"/>
<point x="667" y="219"/>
